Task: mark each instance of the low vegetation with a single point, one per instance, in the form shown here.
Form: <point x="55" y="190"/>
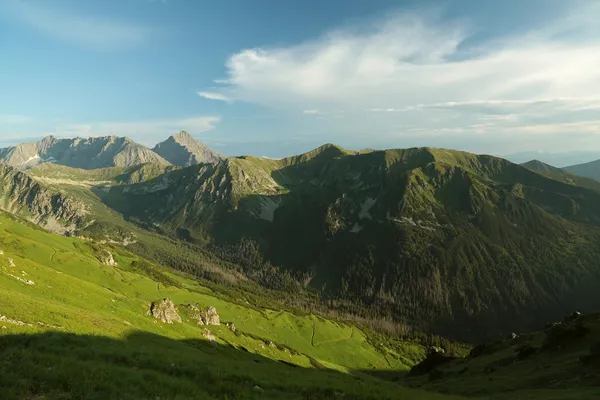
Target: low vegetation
<point x="80" y="329"/>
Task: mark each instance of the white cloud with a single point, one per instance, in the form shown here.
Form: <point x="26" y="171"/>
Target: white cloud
<point x="417" y="69"/>
<point x="311" y="112"/>
<point x="147" y="132"/>
<point x="88" y="30"/>
<point x="213" y="96"/>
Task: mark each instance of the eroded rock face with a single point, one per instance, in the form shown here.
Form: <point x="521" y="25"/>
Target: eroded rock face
<point x="205" y="317"/>
<point x="164" y="310"/>
<point x="107" y="258"/>
<point x="208" y="335"/>
<point x="211" y="317"/>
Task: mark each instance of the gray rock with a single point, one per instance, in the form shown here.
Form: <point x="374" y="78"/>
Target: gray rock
<point x="208" y="335"/>
<point x="90" y="153"/>
<point x="107" y="258"/>
<point x="183" y="150"/>
<point x="211" y="317"/>
<point x="164" y="310"/>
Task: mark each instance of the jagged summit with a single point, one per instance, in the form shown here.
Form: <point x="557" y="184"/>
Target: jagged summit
<point x="83" y="153"/>
<point x="183" y="150"/>
<point x="183" y="137"/>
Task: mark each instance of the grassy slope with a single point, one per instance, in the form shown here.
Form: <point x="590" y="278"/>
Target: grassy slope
<point x="589" y="170"/>
<point x="451" y="241"/>
<point x="60" y="174"/>
<point x="554" y="370"/>
<point x="562" y="175"/>
<point x="75" y="294"/>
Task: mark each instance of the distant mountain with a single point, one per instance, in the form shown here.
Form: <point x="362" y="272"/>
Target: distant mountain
<point x="559" y="160"/>
<point x="455" y="242"/>
<point x="183" y="150"/>
<point x="561" y="175"/>
<point x="91" y="153"/>
<point x="589" y="170"/>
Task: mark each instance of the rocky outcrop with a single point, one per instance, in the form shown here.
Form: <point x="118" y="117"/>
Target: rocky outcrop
<point x="209" y="316"/>
<point x="51" y="209"/>
<point x="90" y="153"/>
<point x="183" y="150"/>
<point x="107" y="258"/>
<point x="208" y="335"/>
<point x="164" y="310"/>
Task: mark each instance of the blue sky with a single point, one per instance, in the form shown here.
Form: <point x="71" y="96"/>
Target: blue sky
<point x="273" y="78"/>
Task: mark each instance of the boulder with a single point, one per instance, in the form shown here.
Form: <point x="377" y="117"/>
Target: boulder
<point x="164" y="310"/>
<point x="206" y="317"/>
<point x="211" y="317"/>
<point x="196" y="314"/>
<point x="208" y="335"/>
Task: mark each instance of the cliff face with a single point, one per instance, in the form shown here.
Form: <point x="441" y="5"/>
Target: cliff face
<point x="90" y="153"/>
<point x="183" y="150"/>
<point x="51" y="209"/>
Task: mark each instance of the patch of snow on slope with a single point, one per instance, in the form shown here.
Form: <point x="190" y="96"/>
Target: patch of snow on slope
<point x="365" y="208"/>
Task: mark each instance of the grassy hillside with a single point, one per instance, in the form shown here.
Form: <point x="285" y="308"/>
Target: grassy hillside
<point x="560" y="362"/>
<point x="588" y="170"/>
<point x="73" y="327"/>
<point x="562" y="175"/>
<point x="461" y="244"/>
<point x="60" y="174"/>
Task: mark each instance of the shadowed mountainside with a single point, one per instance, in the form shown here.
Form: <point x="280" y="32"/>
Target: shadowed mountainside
<point x="451" y="241"/>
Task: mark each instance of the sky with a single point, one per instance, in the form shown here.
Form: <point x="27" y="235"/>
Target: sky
<point x="275" y="78"/>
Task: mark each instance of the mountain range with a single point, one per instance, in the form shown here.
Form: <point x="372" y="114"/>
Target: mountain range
<point x="109" y="151"/>
<point x="366" y="262"/>
<point x="590" y="169"/>
<point x="460" y="244"/>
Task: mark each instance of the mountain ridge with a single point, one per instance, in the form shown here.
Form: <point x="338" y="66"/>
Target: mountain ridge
<point x="85" y="153"/>
<point x="183" y="150"/>
<point x="589" y="170"/>
<point x="382" y="229"/>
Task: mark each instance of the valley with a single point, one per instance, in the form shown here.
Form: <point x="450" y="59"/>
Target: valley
<point x="334" y="272"/>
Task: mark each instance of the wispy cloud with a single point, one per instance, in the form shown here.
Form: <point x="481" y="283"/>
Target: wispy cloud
<point x="214" y="96"/>
<point x="88" y="30"/>
<point x="311" y="112"/>
<point x="417" y="69"/>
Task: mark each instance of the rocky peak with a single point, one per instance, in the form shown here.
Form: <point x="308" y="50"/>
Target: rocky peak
<point x="183" y="150"/>
<point x="183" y="138"/>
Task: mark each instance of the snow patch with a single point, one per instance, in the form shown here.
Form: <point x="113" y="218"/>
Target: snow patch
<point x="36" y="157"/>
<point x="366" y="207"/>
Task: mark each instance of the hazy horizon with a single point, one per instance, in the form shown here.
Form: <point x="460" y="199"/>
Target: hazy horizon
<point x="273" y="79"/>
